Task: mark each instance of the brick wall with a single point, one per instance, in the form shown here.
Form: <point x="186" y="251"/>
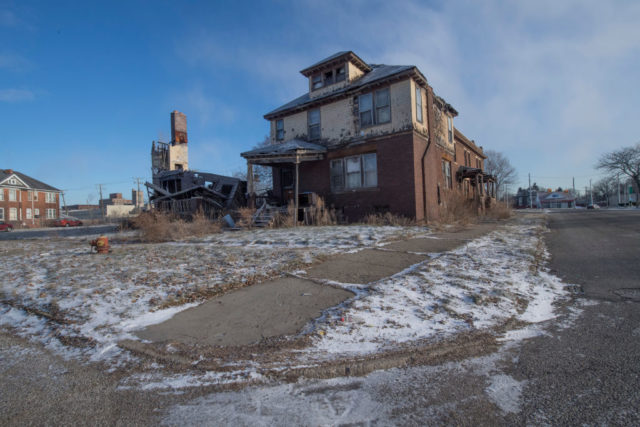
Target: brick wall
<point x="23" y="205"/>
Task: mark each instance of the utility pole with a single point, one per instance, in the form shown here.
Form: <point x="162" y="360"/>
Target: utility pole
<point x="618" y="189"/>
<point x="136" y="201"/>
<point x="101" y="204"/>
<point x="574" y="192"/>
<point x="591" y="191"/>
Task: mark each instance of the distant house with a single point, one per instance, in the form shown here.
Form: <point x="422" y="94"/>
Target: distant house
<point x="370" y="138"/>
<point x="26" y="201"/>
<point x="557" y="200"/>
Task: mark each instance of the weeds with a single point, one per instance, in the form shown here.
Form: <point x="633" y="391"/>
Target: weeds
<point x="388" y="219"/>
<point x="162" y="227"/>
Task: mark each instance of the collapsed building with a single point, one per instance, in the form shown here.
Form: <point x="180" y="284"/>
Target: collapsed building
<point x="183" y="192"/>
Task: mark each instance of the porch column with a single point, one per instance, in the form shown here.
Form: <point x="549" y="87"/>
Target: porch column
<point x="295" y="192"/>
<point x="250" y="190"/>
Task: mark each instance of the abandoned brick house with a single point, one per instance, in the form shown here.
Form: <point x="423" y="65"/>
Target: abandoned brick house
<point x="181" y="191"/>
<point x="370" y="138"/>
<point x="25" y="201"/>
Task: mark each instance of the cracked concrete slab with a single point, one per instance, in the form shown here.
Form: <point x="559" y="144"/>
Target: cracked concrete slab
<point x="365" y="266"/>
<point x="274" y="308"/>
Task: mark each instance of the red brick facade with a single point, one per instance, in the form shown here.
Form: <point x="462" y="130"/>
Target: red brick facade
<point x="23" y="211"/>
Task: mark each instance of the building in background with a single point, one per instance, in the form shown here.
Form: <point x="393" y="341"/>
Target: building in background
<point x="176" y="189"/>
<point x="25" y="201"/>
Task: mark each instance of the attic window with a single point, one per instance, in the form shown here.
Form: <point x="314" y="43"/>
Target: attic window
<point x="328" y="78"/>
<point x="316" y="81"/>
<point x="340" y="74"/>
<point x="13" y="181"/>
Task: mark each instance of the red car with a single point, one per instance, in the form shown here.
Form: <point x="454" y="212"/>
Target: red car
<point x="5" y="227"/>
<point x="68" y="222"/>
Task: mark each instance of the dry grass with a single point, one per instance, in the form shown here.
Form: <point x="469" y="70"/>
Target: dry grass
<point x="162" y="227"/>
<point x="284" y="220"/>
<point x="319" y="214"/>
<point x="245" y="217"/>
<point x="500" y="210"/>
<point x="457" y="209"/>
<point x="388" y="219"/>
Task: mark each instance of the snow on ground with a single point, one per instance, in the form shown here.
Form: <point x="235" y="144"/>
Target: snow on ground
<point x="479" y="285"/>
<point x="82" y="304"/>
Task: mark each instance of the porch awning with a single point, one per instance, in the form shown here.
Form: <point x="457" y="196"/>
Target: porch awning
<point x="293" y="151"/>
<point x="467" y="172"/>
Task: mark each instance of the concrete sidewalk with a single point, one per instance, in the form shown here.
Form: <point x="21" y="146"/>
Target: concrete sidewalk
<point x="284" y="306"/>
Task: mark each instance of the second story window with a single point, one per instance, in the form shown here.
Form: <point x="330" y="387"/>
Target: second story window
<point x="1" y="194"/>
<point x="374" y="108"/>
<point x="313" y="119"/>
<point x="418" y="104"/>
<point x="12" y="195"/>
<point x="450" y="127"/>
<point x="316" y="81"/>
<point x="279" y="130"/>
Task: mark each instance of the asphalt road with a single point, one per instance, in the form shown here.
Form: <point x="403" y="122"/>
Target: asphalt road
<point x="58" y="231"/>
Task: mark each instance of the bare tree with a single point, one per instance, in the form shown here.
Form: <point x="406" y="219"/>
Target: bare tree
<point x="262" y="175"/>
<point x="605" y="189"/>
<point x="625" y="161"/>
<point x="499" y="166"/>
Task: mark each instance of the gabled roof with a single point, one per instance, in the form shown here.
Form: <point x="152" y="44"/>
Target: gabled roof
<point x="30" y="182"/>
<point x="336" y="58"/>
<point x="377" y="74"/>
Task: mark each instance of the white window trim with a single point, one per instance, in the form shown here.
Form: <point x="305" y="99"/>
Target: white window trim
<point x="375" y="120"/>
<point x="1" y="194"/>
<point x="1" y="214"/>
<point x="12" y="195"/>
<point x="342" y="164"/>
<point x="13" y="214"/>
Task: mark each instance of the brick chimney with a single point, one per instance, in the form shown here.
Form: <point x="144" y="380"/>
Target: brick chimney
<point x="178" y="128"/>
<point x="8" y="171"/>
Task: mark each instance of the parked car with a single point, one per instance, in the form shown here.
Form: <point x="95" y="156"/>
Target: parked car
<point x="594" y="206"/>
<point x="68" y="222"/>
<point x="5" y="226"/>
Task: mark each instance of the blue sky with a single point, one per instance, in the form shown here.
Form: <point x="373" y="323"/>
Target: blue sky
<point x="86" y="86"/>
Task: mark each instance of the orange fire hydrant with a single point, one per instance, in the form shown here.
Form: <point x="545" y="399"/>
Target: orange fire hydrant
<point x="101" y="245"/>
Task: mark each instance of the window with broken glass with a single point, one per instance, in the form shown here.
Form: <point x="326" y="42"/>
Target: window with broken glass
<point x="354" y="172"/>
<point x="340" y="74"/>
<point x="279" y="130"/>
<point x="313" y="119"/>
<point x="450" y="126"/>
<point x="374" y="108"/>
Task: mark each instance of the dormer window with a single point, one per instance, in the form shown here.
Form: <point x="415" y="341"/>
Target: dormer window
<point x="316" y="81"/>
<point x="340" y="74"/>
<point x="328" y="78"/>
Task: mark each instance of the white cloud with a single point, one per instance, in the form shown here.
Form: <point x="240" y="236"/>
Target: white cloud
<point x="16" y="95"/>
<point x="13" y="62"/>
